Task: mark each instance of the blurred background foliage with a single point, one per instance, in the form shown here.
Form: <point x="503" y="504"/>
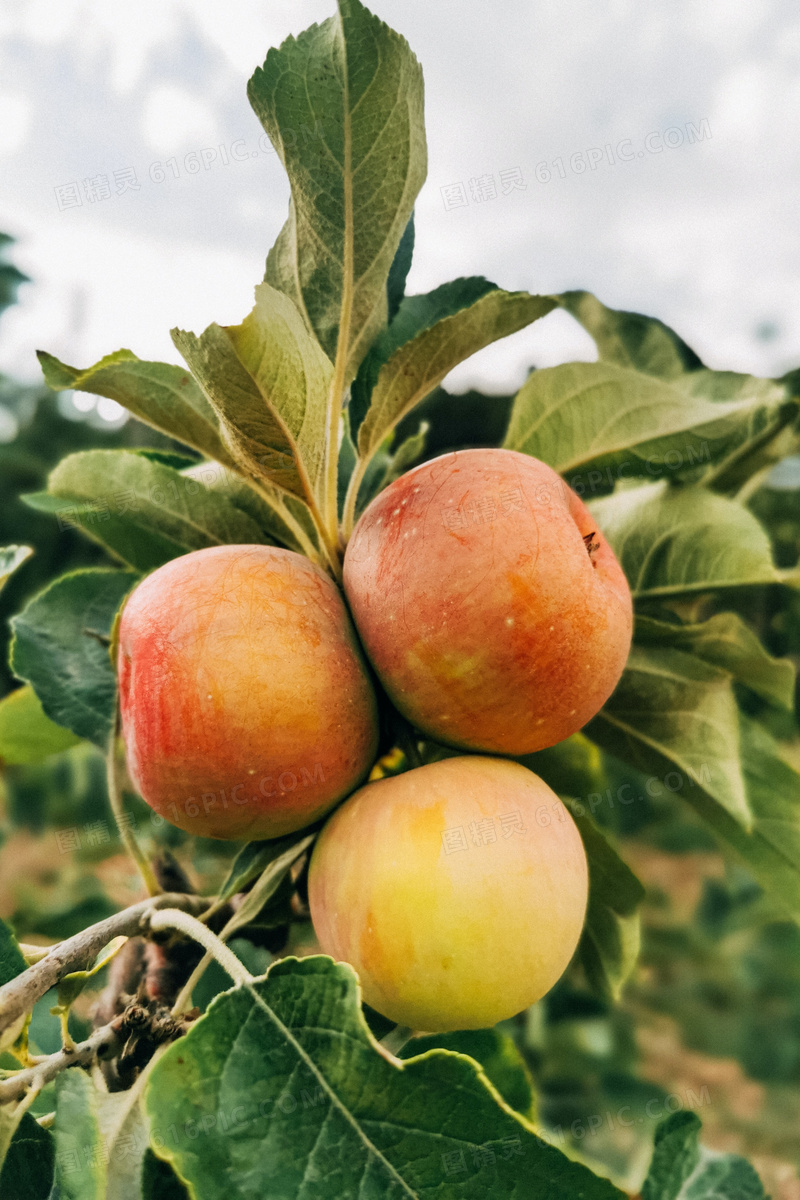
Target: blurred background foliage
<point x="711" y="1017"/>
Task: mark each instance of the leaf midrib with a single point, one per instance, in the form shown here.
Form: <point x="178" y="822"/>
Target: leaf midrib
<point x="147" y="506"/>
<point x="446" y="326"/>
<point x="335" y="1101"/>
<point x="578" y="392"/>
<point x="637" y="735"/>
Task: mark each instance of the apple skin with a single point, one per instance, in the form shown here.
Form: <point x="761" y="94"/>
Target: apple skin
<point x="445" y="938"/>
<point x="492" y="620"/>
<point x="247" y="711"/>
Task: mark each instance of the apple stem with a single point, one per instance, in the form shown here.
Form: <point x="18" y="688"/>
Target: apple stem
<point x="349" y="511"/>
<point x="173" y="918"/>
<point x="288" y="518"/>
<point x="184" y="1000"/>
<point x="331" y="548"/>
<point x="396" y="1038"/>
<point x="126" y="834"/>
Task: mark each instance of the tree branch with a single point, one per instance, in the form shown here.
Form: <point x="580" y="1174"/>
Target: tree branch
<point x="102" y="1043"/>
<point x="134" y="1034"/>
<point x="77" y="953"/>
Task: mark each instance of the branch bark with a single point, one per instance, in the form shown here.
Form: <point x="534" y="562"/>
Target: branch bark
<point x="134" y="1035"/>
<point x="103" y="1043"/>
<point x="19" y="995"/>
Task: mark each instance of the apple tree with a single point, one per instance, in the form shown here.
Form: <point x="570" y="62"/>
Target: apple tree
<point x="224" y="1059"/>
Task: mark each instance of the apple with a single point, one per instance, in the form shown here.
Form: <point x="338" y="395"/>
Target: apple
<point x="457" y="891"/>
<point x="488" y="601"/>
<point x="246" y="706"/>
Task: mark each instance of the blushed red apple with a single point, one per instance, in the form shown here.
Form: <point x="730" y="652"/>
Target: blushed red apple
<point x="489" y="603"/>
<point x="246" y="707"/>
<point x="457" y="891"/>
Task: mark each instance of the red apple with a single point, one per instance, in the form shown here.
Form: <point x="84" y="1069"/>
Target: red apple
<point x="488" y="601"/>
<point x="246" y="707"/>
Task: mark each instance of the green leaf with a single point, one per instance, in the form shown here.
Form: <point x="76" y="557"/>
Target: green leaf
<point x="128" y="542"/>
<point x="70" y="986"/>
<point x="60" y="649"/>
<point x="415" y="314"/>
<point x="458" y="421"/>
<point x="676" y="1154"/>
<point x="161" y="394"/>
<point x="771" y="850"/>
<point x="606" y="422"/>
<point x="773" y="434"/>
<point x="148" y="513"/>
<point x="125" y="1133"/>
<point x="398" y="272"/>
<point x="80" y="1161"/>
<point x="10" y="276"/>
<point x="673" y="717"/>
<point x="673" y="541"/>
<point x="574" y="767"/>
<point x="257" y="857"/>
<point x="496" y="1053"/>
<point x="346" y="464"/>
<point x="722" y="386"/>
<point x="430" y="335"/>
<point x="313" y="1107"/>
<point x="646" y="344"/>
<point x="271" y="864"/>
<point x="277" y="514"/>
<point x="10" y="1118"/>
<point x="681" y="1169"/>
<point x="724" y="1177"/>
<point x="11" y="558"/>
<point x="12" y="962"/>
<point x="27" y="735"/>
<point x="406" y="454"/>
<point x="27" y="1172"/>
<point x="673" y="712"/>
<point x="630" y="339"/>
<point x="609" y="945"/>
<point x="343" y="105"/>
<point x="268" y="381"/>
<point x="726" y="642"/>
<point x="180" y="462"/>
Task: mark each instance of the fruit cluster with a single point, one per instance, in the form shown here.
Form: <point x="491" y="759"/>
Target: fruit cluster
<point x="497" y="621"/>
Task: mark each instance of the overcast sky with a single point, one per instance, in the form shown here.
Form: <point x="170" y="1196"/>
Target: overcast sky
<point x="689" y="111"/>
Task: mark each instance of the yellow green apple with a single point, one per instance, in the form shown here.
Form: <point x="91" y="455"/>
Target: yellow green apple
<point x="456" y="890"/>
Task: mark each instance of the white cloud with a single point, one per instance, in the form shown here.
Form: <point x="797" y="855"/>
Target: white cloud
<point x="118" y="37"/>
<point x="99" y="290"/>
<point x="729" y="24"/>
<point x="703" y="236"/>
<point x="744" y="100"/>
<point x="123" y="37"/>
<point x="173" y="119"/>
<point x="15" y="121"/>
